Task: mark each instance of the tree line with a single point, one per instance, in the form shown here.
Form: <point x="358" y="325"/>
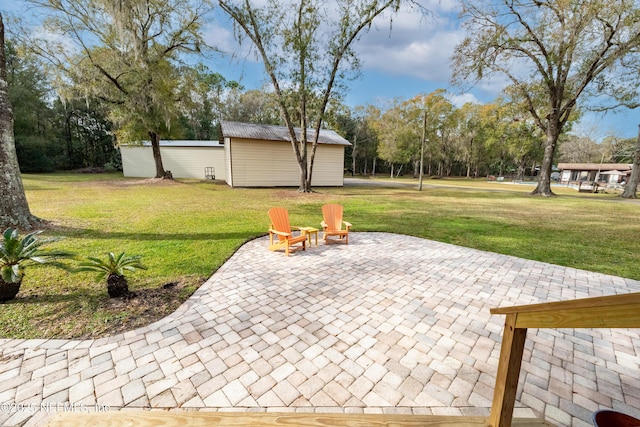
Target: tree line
<point x="472" y="140"/>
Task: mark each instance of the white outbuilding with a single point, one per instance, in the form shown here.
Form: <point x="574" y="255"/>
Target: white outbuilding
<point x="249" y="155"/>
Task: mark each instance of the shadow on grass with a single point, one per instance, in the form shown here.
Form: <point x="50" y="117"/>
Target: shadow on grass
<point x="49" y="298"/>
<point x="88" y="233"/>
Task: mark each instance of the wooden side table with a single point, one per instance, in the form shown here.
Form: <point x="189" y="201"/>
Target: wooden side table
<point x="308" y="231"/>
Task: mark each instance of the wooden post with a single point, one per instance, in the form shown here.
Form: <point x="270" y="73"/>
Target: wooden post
<point x="504" y="395"/>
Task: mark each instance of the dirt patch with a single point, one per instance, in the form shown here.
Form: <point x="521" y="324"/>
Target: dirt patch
<point x="144" y="307"/>
<point x="150" y="181"/>
<point x="156" y="182"/>
<point x="296" y="195"/>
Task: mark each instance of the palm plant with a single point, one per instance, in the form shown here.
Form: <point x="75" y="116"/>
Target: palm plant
<point x="113" y="270"/>
<point x="16" y="253"/>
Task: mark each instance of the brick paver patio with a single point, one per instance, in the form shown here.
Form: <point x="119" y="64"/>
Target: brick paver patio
<point x="389" y="323"/>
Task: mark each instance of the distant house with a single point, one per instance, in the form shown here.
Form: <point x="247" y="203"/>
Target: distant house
<point x="249" y="155"/>
<point x="608" y="173"/>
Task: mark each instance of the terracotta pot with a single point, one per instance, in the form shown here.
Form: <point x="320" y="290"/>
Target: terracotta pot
<point x="608" y="418"/>
<point x="8" y="291"/>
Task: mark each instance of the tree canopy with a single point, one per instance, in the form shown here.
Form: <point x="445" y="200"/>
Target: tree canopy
<point x="125" y="53"/>
<point x="552" y="51"/>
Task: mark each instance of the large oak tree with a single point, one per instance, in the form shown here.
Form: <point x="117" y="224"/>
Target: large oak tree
<point x="14" y="208"/>
<point x="552" y="51"/>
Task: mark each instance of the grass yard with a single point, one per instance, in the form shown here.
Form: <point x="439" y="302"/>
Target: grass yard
<point x="185" y="230"/>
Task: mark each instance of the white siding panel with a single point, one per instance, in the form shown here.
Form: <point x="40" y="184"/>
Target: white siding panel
<point x="263" y="164"/>
<point x="189" y="162"/>
<point x="137" y="162"/>
<point x="328" y="166"/>
<point x="183" y="162"/>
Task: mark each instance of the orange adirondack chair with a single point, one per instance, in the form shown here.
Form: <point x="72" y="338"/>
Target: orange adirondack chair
<point x="332" y="224"/>
<point x="280" y="227"/>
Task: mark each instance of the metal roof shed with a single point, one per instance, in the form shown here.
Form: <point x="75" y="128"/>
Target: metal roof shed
<point x="261" y="156"/>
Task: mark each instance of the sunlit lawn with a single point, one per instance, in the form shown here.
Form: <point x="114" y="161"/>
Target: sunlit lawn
<point x="187" y="229"/>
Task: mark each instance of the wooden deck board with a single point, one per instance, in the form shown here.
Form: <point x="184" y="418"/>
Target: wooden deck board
<point x="268" y="419"/>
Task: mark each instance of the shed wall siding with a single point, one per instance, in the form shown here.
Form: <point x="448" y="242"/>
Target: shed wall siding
<point x="273" y="164"/>
<point x="328" y="166"/>
<point x="137" y="162"/>
<point x="183" y="162"/>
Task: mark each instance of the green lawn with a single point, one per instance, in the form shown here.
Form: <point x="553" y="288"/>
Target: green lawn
<point x="185" y="230"/>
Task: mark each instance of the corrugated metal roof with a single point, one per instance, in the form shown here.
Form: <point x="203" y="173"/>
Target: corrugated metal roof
<point x="277" y="133"/>
<point x="181" y="143"/>
<point x="595" y="166"/>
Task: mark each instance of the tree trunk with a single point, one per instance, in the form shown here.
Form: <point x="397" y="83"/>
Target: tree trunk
<point x="522" y="167"/>
<point x="309" y="164"/>
<point x="157" y="157"/>
<point x="68" y="115"/>
<point x="14" y="209"/>
<point x="544" y="177"/>
<point x="631" y="187"/>
<point x="305" y="181"/>
<point x="469" y="158"/>
<point x="305" y="185"/>
<point x="353" y="155"/>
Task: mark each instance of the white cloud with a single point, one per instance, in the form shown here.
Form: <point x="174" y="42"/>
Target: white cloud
<point x="464" y="98"/>
<point x="425" y="56"/>
<point x="414" y="45"/>
<point x="421" y="47"/>
<point x="219" y="34"/>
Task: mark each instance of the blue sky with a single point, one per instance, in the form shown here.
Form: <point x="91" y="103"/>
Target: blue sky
<point x="411" y="58"/>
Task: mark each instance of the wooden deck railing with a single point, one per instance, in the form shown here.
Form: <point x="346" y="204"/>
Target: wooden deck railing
<point x="617" y="311"/>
